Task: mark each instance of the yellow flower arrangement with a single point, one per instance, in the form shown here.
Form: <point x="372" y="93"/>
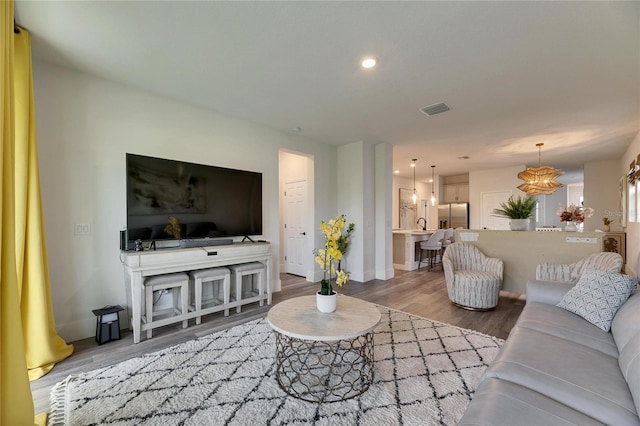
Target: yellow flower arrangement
<point x="336" y="241"/>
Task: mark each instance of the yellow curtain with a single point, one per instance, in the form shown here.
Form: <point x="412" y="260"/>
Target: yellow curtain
<point x="43" y="346"/>
<point x="16" y="404"/>
<point x="29" y="344"/>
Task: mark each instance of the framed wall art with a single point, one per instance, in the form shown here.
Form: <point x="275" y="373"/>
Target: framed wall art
<point x="615" y="242"/>
<point x="408" y="210"/>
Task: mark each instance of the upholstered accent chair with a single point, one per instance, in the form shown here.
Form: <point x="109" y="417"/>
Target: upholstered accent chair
<point x="473" y="279"/>
<point x="571" y="272"/>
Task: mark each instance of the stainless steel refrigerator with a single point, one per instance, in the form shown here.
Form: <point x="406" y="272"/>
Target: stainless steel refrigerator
<point x="454" y="215"/>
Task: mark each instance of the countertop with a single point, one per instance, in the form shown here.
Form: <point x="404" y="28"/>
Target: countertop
<point x="413" y="231"/>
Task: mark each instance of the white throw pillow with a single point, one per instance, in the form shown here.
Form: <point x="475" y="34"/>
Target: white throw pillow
<point x="598" y="295"/>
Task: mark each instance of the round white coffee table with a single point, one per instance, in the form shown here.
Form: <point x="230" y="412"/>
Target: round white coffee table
<point x="324" y="357"/>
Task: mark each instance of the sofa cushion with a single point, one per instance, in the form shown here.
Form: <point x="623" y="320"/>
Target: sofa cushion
<point x="626" y="323"/>
<point x="598" y="295"/>
<point x="499" y="402"/>
<point x="630" y="365"/>
<point x="550" y="292"/>
<point x="575" y="375"/>
<point x="558" y="322"/>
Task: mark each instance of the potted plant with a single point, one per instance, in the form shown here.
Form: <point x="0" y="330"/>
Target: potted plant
<point x="519" y="210"/>
<point x="329" y="257"/>
<point x="607" y="224"/>
<point x="574" y="216"/>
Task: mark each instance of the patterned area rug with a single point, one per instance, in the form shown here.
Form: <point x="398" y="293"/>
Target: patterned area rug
<point x="425" y="374"/>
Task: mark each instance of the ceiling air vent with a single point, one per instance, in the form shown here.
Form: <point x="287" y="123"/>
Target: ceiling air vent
<point x="435" y="109"/>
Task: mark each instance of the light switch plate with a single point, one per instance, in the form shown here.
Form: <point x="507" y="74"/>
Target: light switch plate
<point x="82" y="229"/>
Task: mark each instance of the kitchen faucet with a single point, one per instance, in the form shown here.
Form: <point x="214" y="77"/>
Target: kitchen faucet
<point x="424" y="228"/>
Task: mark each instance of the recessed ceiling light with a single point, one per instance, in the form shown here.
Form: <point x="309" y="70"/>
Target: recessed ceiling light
<point x="368" y="62"/>
<point x="396" y="172"/>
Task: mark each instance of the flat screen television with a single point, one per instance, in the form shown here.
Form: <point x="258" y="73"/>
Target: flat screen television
<point x="168" y="199"/>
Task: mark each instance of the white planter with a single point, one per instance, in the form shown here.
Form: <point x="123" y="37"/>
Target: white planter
<point x="326" y="303"/>
<point x="519" y="224"/>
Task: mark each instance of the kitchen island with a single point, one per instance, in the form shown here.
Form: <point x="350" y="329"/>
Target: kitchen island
<point x="406" y="247"/>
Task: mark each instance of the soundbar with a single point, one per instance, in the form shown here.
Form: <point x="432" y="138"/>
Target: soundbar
<point x="186" y="243"/>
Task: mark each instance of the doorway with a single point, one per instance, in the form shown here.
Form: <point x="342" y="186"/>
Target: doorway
<point x="296" y="214"/>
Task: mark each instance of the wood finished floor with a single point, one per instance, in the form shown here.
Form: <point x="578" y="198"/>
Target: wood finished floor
<point x="419" y="292"/>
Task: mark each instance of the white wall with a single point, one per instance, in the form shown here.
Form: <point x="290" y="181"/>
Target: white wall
<point x="356" y="199"/>
<point x="351" y="199"/>
<point x="502" y="179"/>
<point x="632" y="229"/>
<point x="383" y="208"/>
<point x="602" y="193"/>
<point x="548" y="206"/>
<point x="85" y="126"/>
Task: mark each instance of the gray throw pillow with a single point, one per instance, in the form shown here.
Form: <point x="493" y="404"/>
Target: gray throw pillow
<point x="598" y="295"/>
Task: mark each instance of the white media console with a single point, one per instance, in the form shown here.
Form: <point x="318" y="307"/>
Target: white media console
<point x="141" y="264"/>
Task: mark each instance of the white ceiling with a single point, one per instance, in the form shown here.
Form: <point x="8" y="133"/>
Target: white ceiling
<point x="514" y="73"/>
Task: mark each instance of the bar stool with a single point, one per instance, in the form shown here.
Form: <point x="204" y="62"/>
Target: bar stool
<point x="433" y="247"/>
<point x="252" y="269"/>
<point x="175" y="281"/>
<point x="217" y="277"/>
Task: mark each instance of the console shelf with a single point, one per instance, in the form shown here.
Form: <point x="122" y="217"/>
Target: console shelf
<point x="141" y="264"/>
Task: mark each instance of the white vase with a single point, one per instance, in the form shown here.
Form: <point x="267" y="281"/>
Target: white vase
<point x="571" y="227"/>
<point x="519" y="224"/>
<point x="326" y="303"/>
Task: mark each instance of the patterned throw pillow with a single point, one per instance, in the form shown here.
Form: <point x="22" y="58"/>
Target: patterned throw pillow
<point x="598" y="295"/>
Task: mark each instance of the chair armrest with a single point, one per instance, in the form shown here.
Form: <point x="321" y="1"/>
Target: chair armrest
<point x="553" y="272"/>
<point x="549" y="292"/>
<point x="494" y="265"/>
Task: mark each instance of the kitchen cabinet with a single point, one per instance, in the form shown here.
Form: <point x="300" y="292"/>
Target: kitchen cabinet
<point x="456" y="193"/>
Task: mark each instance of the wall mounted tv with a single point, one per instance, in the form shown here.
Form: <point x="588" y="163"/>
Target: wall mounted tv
<point x="206" y="201"/>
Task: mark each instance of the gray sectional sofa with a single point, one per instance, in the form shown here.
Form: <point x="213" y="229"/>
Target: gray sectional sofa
<point x="556" y="368"/>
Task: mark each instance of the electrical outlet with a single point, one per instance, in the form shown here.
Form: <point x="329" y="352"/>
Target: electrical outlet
<point x="82" y="229"/>
<point x="584" y="240"/>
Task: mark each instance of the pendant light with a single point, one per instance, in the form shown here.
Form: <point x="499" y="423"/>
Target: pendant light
<point x="539" y="180"/>
<point x="433" y="184"/>
<point x="414" y="197"/>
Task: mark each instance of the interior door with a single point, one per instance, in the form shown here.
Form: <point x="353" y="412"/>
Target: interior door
<point x="295" y="197"/>
<point x="489" y="201"/>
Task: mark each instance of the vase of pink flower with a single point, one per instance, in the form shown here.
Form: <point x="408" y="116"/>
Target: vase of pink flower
<point x="574" y="216"/>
